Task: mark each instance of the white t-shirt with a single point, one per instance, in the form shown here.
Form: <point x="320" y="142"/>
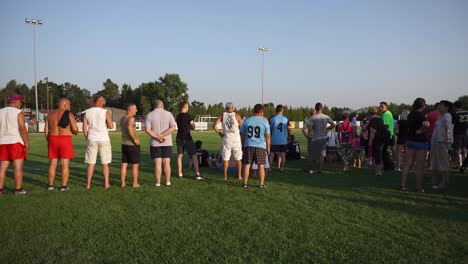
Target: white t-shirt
<point x="97" y="126"/>
<point x="9" y="131"/>
<point x="441" y="125"/>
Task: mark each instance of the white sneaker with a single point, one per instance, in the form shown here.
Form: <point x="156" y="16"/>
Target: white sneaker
<point x="181" y="175"/>
<point x="168" y="184"/>
<point x="51" y="188"/>
<point x="311" y="172"/>
<point x="198" y="178"/>
<point x="157" y="185"/>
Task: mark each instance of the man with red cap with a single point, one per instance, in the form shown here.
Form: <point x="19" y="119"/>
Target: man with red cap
<point x="13" y="142"/>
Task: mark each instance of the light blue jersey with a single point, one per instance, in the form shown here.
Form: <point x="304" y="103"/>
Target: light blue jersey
<point x="254" y="129"/>
<point x="279" y="130"/>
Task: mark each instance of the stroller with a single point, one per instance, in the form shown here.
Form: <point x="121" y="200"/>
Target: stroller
<point x="332" y="147"/>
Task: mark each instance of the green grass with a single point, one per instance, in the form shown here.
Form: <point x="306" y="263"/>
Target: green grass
<point x="300" y="218"/>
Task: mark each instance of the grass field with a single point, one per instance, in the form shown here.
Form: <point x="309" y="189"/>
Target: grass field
<point x="300" y="218"/>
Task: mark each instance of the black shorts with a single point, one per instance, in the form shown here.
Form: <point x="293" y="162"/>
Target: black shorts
<point x="460" y="142"/>
<point x="131" y="154"/>
<point x="161" y="152"/>
<point x="251" y="154"/>
<point x="278" y="148"/>
<point x="377" y="154"/>
<point x="186" y="145"/>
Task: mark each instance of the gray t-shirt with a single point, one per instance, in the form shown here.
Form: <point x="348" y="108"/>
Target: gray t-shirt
<point x="318" y="123"/>
<point x="443" y="123"/>
<point x="159" y="120"/>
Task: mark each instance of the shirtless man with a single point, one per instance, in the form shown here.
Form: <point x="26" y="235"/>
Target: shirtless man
<point x="58" y="133"/>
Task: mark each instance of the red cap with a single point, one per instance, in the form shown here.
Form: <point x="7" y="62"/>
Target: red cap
<point x="15" y="97"/>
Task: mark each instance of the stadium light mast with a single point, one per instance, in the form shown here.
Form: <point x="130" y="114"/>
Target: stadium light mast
<point x="46" y="81"/>
<point x="262" y="50"/>
<point x="35" y="22"/>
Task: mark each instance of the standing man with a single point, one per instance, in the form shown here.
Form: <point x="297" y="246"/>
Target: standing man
<point x="375" y="130"/>
<point x="159" y="125"/>
<point x="255" y="135"/>
<point x="232" y="145"/>
<point x="184" y="139"/>
<point x="58" y="130"/>
<point x="96" y="123"/>
<point x="387" y="118"/>
<point x="280" y="131"/>
<point x="317" y="146"/>
<point x="13" y="142"/>
<point x="460" y="137"/>
<point x="130" y="146"/>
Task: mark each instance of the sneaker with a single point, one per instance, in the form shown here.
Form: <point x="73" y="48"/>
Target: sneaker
<point x="181" y="175"/>
<point x="262" y="187"/>
<point x="244" y="186"/>
<point x="461" y="169"/>
<point x="311" y="172"/>
<point x="157" y="185"/>
<point x="64" y="189"/>
<point x="20" y="192"/>
<point x="51" y="188"/>
<point x="199" y="178"/>
<point x="168" y="184"/>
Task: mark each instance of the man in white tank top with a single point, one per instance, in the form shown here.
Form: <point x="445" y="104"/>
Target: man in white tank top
<point x="13" y="142"/>
<point x="96" y="123"/>
<point x="230" y="123"/>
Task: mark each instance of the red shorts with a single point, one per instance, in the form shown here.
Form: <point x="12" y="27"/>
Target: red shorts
<point x="61" y="147"/>
<point x="11" y="152"/>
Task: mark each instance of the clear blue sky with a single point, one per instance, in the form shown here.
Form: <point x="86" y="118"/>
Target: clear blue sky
<point x="342" y="53"/>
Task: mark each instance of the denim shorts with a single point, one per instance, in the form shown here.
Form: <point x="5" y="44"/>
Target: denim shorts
<point x="418" y="145"/>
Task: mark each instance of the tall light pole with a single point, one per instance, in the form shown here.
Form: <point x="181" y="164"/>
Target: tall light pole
<point x="263" y="50"/>
<point x="34" y="23"/>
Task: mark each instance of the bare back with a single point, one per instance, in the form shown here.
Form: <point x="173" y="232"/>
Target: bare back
<point x="54" y="129"/>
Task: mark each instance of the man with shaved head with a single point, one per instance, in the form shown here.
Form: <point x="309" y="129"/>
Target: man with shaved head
<point x="96" y="123"/>
<point x="159" y="125"/>
<point x="59" y="128"/>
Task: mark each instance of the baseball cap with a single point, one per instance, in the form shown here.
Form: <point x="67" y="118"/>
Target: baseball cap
<point x="15" y="97"/>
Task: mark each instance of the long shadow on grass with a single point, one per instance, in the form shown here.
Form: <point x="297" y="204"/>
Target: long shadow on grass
<point x="442" y="213"/>
<point x="334" y="178"/>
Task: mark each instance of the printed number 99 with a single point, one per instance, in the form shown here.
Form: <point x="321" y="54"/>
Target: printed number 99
<point x="253" y="131"/>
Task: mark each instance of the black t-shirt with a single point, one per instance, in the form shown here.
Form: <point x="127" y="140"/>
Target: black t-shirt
<point x="415" y="120"/>
<point x="183" y="126"/>
<point x="293" y="151"/>
<point x="377" y="124"/>
<point x="402" y="129"/>
<point x="460" y="122"/>
<point x="202" y="156"/>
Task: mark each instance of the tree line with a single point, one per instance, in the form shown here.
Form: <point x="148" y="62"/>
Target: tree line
<point x="168" y="88"/>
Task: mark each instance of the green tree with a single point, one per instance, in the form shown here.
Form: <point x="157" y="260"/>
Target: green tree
<point x="111" y="93"/>
<point x="127" y="95"/>
<point x="173" y="91"/>
<point x="197" y="108"/>
<point x="78" y="97"/>
<point x="464" y="100"/>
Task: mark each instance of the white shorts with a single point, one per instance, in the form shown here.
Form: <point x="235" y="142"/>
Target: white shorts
<point x="105" y="152"/>
<point x="266" y="166"/>
<point x="234" y="148"/>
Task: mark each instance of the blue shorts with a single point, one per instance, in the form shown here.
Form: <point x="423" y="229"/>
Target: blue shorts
<point x="418" y="145"/>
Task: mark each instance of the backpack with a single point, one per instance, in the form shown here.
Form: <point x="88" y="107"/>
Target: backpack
<point x="344" y="133"/>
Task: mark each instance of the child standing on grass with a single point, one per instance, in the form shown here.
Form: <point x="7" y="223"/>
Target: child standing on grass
<point x="356" y="144"/>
